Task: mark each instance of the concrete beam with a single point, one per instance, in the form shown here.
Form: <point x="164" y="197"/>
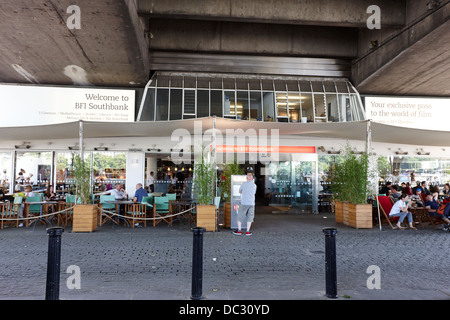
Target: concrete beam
<point x="346" y="13"/>
<point x="414" y="61"/>
<point x="252" y="38"/>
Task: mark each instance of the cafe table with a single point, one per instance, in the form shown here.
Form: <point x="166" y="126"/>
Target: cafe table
<point x="42" y="204"/>
<point x="118" y="203"/>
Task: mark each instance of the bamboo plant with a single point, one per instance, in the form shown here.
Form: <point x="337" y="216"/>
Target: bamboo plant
<point x="82" y="174"/>
<point x="204" y="179"/>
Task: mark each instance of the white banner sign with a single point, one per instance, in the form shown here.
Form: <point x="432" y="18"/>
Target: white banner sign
<point x="419" y="113"/>
<point x="34" y="105"/>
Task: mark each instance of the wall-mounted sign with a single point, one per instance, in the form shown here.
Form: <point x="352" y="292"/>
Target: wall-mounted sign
<point x="419" y="113"/>
<point x="37" y="105"/>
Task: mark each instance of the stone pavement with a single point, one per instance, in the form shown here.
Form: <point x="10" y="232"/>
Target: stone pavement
<point x="283" y="260"/>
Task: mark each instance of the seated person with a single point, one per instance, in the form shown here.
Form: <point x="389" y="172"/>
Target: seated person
<point x="140" y="193"/>
<point x="432" y="205"/>
<point x="417" y="198"/>
<point x="394" y="193"/>
<point x="400" y="210"/>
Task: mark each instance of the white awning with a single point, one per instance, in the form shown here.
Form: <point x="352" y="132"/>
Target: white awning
<point x="342" y="130"/>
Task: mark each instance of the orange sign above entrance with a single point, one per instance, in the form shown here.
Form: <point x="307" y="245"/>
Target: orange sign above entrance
<point x="266" y="149"/>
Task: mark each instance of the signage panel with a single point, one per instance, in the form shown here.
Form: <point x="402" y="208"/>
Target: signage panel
<point x="37" y="105"/>
<point x="418" y="113"/>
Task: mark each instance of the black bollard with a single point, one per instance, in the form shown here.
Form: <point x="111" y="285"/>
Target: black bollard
<point x="53" y="263"/>
<point x="330" y="262"/>
<point x="197" y="264"/>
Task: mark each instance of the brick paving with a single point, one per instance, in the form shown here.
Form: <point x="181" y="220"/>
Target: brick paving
<point x="283" y="260"/>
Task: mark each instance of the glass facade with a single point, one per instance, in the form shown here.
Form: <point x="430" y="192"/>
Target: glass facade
<point x="176" y="96"/>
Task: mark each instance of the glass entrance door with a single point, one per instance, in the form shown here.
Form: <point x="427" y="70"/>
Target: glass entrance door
<point x="293" y="182"/>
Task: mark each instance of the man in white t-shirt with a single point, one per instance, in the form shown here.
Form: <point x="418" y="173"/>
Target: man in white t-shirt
<point x="247" y="207"/>
<point x="400" y="209"/>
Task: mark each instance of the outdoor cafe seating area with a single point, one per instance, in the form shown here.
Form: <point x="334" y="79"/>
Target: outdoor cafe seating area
<point x="156" y="208"/>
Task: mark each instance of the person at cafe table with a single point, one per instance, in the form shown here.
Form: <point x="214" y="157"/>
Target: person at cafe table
<point x="119" y="194"/>
<point x="140" y="193"/>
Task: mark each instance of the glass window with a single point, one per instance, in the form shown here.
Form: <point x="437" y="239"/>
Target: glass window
<point x="269" y="106"/>
<point x="109" y="169"/>
<point x="229" y="108"/>
<point x="162" y="81"/>
<point x="176" y="82"/>
<point x="254" y="84"/>
<point x="190" y="82"/>
<point x="202" y="103"/>
<point x="319" y="107"/>
<point x="242" y="111"/>
<point x="280" y="85"/>
<point x="148" y="109"/>
<point x="317" y="86"/>
<point x="229" y="83"/>
<point x="216" y="103"/>
<point x="306" y="107"/>
<point x="329" y="86"/>
<point x="305" y="86"/>
<point x="203" y="82"/>
<point x="294" y="107"/>
<point x="255" y="105"/>
<point x="35" y="169"/>
<point x="281" y="104"/>
<point x="292" y="85"/>
<point x="5" y="166"/>
<point x="175" y="104"/>
<point x="162" y="104"/>
<point x="267" y="84"/>
<point x="332" y="107"/>
<point x="189" y="102"/>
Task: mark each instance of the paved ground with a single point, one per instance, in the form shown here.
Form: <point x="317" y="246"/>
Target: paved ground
<point x="283" y="260"/>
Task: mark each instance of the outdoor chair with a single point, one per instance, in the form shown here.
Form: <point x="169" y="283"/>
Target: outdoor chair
<point x="161" y="210"/>
<point x="9" y="212"/>
<point x="32" y="209"/>
<point x="136" y="213"/>
<point x="385" y="206"/>
<point x="148" y="201"/>
<point x="103" y="205"/>
<point x="171" y="196"/>
<point x="67" y="215"/>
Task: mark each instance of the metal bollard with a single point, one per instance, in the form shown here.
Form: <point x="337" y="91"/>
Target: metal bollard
<point x="197" y="264"/>
<point x="330" y="262"/>
<point x="53" y="263"/>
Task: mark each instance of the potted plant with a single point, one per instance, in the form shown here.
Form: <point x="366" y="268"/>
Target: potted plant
<point x="351" y="185"/>
<point x="229" y="169"/>
<point x="84" y="212"/>
<point x="204" y="189"/>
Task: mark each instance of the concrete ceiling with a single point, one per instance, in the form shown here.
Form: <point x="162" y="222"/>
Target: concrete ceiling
<point x="113" y="46"/>
<point x="38" y="47"/>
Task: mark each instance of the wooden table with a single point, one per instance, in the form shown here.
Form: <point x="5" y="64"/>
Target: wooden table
<point x="41" y="203"/>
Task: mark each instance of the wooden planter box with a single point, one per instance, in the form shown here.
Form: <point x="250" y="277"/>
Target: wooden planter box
<point x="345" y="213"/>
<point x="227" y="214"/>
<point x="206" y="217"/>
<point x="339" y="211"/>
<point x="84" y="218"/>
<point x="360" y="215"/>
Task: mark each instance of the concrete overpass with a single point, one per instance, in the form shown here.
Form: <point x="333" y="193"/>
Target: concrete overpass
<point x="119" y="43"/>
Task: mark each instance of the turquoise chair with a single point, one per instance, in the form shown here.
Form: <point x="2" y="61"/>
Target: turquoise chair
<point x="10" y="211"/>
<point x="103" y="205"/>
<point x="160" y="209"/>
<point x="148" y="201"/>
<point x="171" y="196"/>
<point x="33" y="209"/>
<point x="67" y="215"/>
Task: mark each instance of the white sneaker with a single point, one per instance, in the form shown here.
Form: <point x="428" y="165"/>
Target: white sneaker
<point x="20" y="225"/>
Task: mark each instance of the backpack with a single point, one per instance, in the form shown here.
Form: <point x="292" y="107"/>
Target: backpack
<point x="444" y="208"/>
